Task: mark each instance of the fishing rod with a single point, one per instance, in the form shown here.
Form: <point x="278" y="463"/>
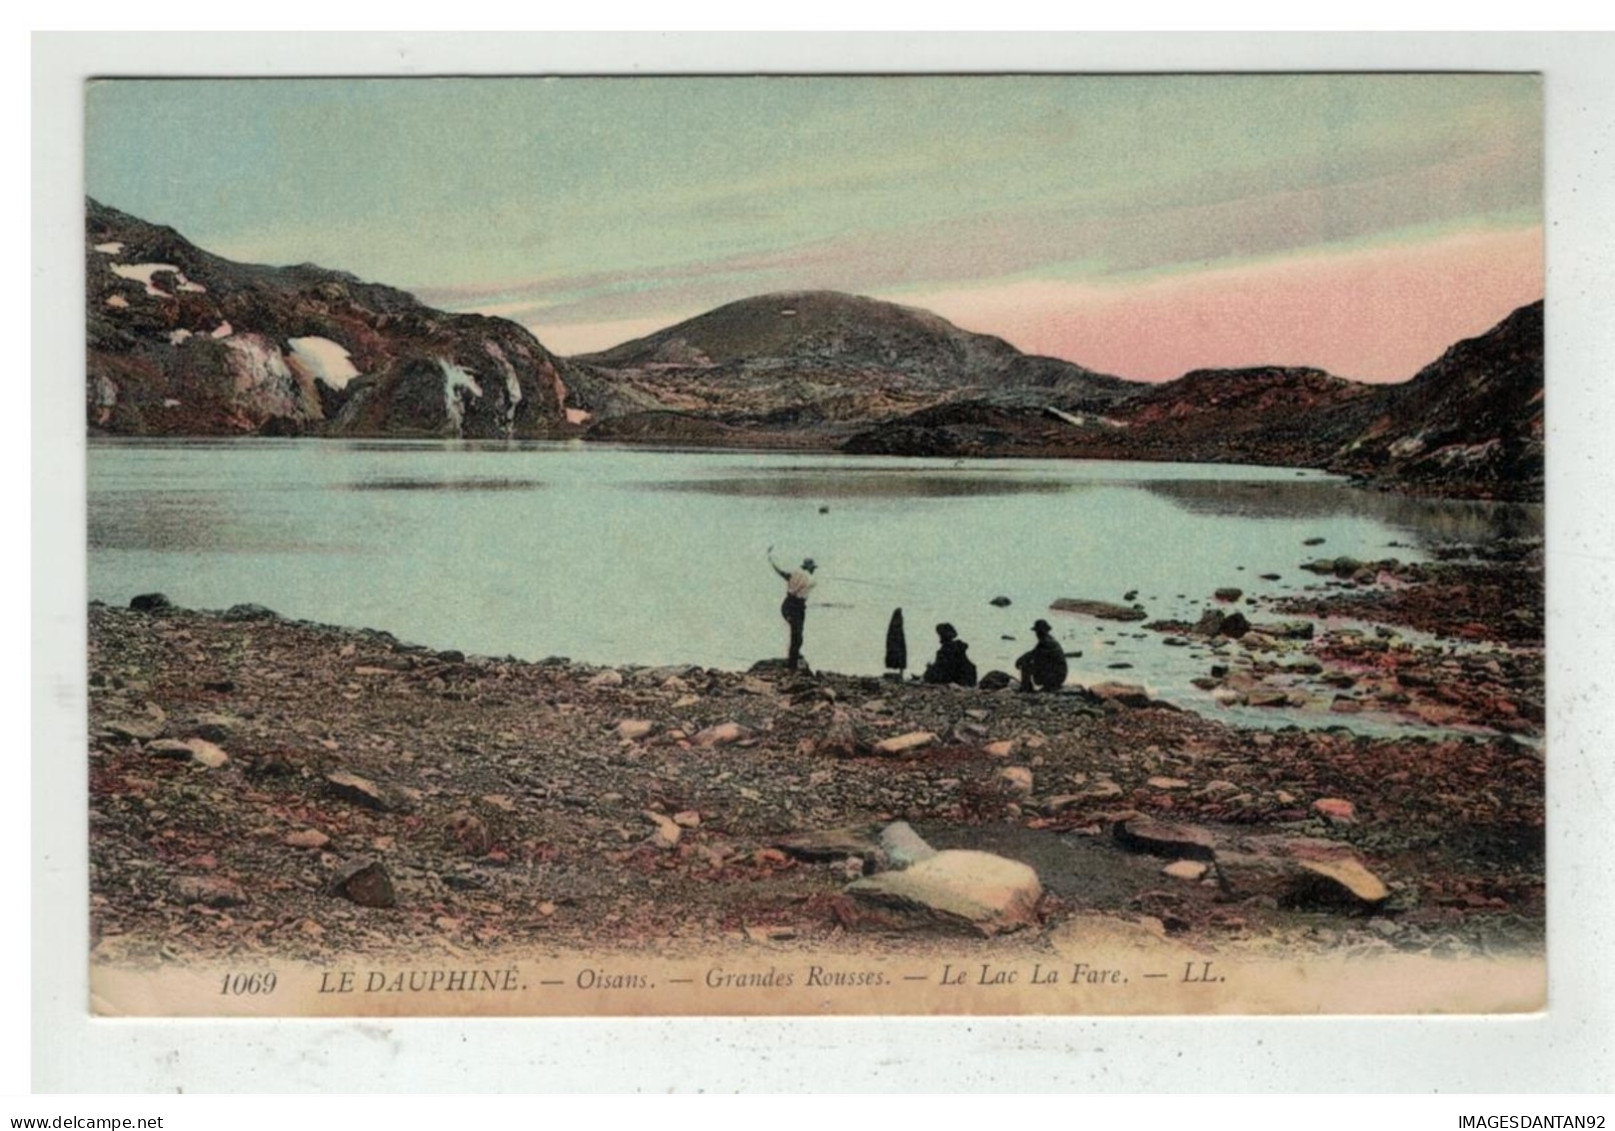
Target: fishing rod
<point x="840" y="577"/>
<point x="860" y="581"/>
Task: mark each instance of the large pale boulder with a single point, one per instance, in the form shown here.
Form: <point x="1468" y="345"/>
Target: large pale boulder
<point x="953" y="890"/>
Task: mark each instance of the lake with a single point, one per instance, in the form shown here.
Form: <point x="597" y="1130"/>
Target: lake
<point x="614" y="555"/>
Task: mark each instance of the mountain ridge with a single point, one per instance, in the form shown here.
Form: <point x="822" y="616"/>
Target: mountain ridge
<point x="184" y="342"/>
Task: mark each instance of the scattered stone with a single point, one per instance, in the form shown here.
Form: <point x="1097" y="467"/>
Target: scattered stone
<point x="687" y="819"/>
<point x="830" y="844"/>
<point x="611" y="677"/>
<point x="841" y="736"/>
<point x="903" y="847"/>
<point x="720" y="735"/>
<point x="1299" y="871"/>
<point x="1018" y="780"/>
<point x="210" y="891"/>
<point x="1267" y="697"/>
<point x="1186" y="869"/>
<point x="217" y="727"/>
<point x="1229" y="594"/>
<point x="1003" y="748"/>
<point x="140" y="729"/>
<point x="635" y="729"/>
<point x="171" y="748"/>
<point x="1339" y="567"/>
<point x="1270" y="576"/>
<point x="905" y="743"/>
<point x="1286" y="629"/>
<point x="366" y="881"/>
<point x="1337" y="810"/>
<point x="1000" y="602"/>
<point x="955" y="890"/>
<point x="1127" y="694"/>
<point x="1313" y="541"/>
<point x="250" y="612"/>
<point x="667" y="832"/>
<point x="995" y="681"/>
<point x="363" y="791"/>
<point x="1159" y="838"/>
<point x="451" y="656"/>
<point x="205" y="753"/>
<point x="1167" y="783"/>
<point x="150" y="602"/>
<point x="306" y="838"/>
<point x="469" y="832"/>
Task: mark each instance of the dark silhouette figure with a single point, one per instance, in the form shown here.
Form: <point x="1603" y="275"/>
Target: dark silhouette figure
<point x="951" y="665"/>
<point x="896" y="645"/>
<point x="798" y="583"/>
<point x="1044" y="666"/>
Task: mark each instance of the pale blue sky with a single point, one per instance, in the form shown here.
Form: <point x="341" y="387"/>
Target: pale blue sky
<point x="572" y="202"/>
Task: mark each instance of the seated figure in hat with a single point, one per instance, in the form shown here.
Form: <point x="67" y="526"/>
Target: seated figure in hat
<point x="1044" y="666"/>
<point x="951" y="665"/>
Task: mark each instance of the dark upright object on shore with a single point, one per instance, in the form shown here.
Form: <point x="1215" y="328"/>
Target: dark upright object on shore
<point x="794" y="608"/>
<point x="896" y="644"/>
<point x="951" y="665"/>
<point x="1044" y="666"/>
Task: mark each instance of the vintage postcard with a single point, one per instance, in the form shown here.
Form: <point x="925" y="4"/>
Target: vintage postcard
<point x="802" y="545"/>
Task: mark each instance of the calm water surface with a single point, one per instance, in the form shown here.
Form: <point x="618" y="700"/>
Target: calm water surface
<point x="636" y="556"/>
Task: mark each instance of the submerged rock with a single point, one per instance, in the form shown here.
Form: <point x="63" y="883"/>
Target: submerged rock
<point x="1104" y="610"/>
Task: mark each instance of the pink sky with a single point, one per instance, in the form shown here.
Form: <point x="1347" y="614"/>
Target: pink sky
<point x="1374" y="314"/>
<point x="1378" y="314"/>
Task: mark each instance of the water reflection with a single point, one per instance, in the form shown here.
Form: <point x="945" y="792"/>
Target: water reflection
<point x="187" y="522"/>
<point x="863" y="486"/>
<point x="1429" y="521"/>
<point x="442" y="485"/>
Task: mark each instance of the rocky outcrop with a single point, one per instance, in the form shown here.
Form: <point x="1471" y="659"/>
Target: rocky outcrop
<point x="185" y="343"/>
<point x="1469" y="424"/>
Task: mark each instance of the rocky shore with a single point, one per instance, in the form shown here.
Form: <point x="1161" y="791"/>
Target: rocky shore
<point x="286" y="789"/>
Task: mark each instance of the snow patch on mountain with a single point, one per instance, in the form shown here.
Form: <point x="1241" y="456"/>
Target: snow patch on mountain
<point x="321" y="358"/>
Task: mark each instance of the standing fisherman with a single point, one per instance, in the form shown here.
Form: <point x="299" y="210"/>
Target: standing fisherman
<point x="794" y="608"/>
